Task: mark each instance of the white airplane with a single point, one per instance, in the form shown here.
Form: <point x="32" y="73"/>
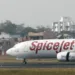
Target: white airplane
<point x="62" y="49"/>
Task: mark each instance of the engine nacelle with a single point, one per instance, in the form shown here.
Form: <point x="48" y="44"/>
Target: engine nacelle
<point x="66" y="56"/>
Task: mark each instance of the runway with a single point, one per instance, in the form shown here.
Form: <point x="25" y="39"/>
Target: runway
<point x="38" y="65"/>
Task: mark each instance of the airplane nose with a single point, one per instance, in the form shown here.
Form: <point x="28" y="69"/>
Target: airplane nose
<point x="8" y="52"/>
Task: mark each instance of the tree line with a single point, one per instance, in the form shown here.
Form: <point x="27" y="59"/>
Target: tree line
<point x="20" y="29"/>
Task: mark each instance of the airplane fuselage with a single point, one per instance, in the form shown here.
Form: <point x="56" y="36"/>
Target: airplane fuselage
<point x="42" y="48"/>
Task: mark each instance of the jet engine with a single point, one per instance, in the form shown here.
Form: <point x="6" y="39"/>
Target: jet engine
<point x="66" y="56"/>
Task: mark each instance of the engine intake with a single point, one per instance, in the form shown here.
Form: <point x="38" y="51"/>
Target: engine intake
<point x="66" y="56"/>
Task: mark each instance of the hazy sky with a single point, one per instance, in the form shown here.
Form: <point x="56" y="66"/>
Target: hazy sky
<point x="36" y="12"/>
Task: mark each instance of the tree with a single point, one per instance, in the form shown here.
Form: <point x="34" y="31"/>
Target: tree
<point x="49" y="34"/>
<point x="42" y="28"/>
<point x="19" y="28"/>
<point x="9" y="27"/>
<point x="26" y="30"/>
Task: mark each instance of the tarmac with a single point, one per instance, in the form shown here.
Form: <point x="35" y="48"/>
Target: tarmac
<point x="38" y="65"/>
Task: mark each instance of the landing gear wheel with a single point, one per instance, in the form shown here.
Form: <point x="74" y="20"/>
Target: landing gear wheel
<point x="24" y="61"/>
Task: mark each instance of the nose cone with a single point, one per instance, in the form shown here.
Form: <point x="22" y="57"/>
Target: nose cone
<point x="8" y="52"/>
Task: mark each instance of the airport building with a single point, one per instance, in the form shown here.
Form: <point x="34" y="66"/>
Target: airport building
<point x="64" y="24"/>
<point x="35" y="36"/>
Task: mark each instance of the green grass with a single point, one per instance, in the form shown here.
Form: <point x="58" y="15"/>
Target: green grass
<point x="39" y="71"/>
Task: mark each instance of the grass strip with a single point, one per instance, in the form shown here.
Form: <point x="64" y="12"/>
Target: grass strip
<point x="39" y="71"/>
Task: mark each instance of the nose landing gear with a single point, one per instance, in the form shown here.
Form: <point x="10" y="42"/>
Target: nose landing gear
<point x="24" y="61"/>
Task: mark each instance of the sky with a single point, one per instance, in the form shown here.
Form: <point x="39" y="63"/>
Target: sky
<point x="36" y="12"/>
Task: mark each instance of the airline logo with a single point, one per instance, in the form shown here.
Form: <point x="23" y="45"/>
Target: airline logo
<point x="47" y="45"/>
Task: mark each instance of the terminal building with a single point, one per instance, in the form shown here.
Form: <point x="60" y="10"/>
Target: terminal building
<point x="65" y="24"/>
